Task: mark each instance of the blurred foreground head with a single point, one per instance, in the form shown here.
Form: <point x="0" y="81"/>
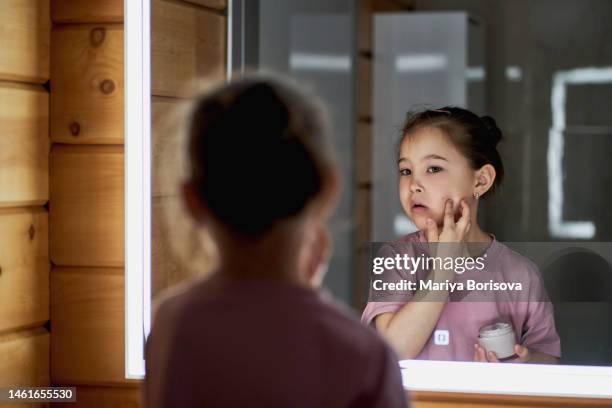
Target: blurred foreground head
<point x="259" y="157"/>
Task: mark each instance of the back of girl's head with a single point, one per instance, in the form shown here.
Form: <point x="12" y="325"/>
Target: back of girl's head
<point x="258" y="152"/>
<point x="475" y="137"/>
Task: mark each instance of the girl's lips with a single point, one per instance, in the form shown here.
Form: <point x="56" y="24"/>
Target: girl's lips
<point x="419" y="208"/>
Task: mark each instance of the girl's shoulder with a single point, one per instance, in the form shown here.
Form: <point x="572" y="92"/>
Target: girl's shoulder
<point x="414" y="237"/>
<point x="521" y="265"/>
<point x="402" y="245"/>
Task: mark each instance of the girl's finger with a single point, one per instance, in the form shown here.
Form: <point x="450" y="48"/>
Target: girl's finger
<point x="482" y="355"/>
<point x="522" y="352"/>
<point x="463" y="222"/>
<point x="476" y="357"/>
<point x="431" y="231"/>
<point x="449" y="219"/>
<point x="492" y="357"/>
<point x="477" y="354"/>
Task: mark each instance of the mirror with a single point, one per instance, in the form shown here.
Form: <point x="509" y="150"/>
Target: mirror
<point x="547" y="87"/>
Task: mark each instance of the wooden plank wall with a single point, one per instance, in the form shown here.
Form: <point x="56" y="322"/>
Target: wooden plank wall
<point x="86" y="216"/>
<point x="363" y="145"/>
<point x="188" y="43"/>
<point x="87" y="175"/>
<point x="24" y="191"/>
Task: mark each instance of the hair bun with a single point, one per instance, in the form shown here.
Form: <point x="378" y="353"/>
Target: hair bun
<point x="494" y="132"/>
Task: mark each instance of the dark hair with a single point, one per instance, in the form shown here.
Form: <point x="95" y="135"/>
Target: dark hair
<point x="475" y="137"/>
<point x="258" y="152"/>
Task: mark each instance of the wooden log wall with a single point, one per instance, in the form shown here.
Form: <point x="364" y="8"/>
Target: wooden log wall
<point x="24" y="192"/>
<point x="363" y="146"/>
<point x="188" y="40"/>
<point x="86" y="201"/>
<point x="87" y="175"/>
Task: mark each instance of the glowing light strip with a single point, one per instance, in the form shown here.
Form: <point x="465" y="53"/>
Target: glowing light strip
<point x="319" y="62"/>
<point x="556" y="142"/>
<point x="505" y="378"/>
<point x="475" y="74"/>
<point x="137" y="184"/>
<point x="420" y="62"/>
<point x="514" y="73"/>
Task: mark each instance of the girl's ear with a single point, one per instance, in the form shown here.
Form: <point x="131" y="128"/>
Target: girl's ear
<point x="316" y="254"/>
<point x="196" y="208"/>
<point x="485" y="176"/>
<point x="328" y="200"/>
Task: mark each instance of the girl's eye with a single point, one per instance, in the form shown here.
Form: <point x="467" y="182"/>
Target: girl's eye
<point x="405" y="172"/>
<point x="434" y="169"/>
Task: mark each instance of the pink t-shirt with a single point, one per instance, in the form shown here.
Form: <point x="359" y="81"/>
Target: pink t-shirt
<point x="456" y="332"/>
<point x="237" y="343"/>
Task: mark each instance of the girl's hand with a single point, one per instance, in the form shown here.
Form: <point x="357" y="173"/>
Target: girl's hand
<point x="451" y="231"/>
<point x="481" y="355"/>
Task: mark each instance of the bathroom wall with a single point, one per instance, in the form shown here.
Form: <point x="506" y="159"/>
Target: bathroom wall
<point x="24" y="193"/>
<point x="86" y="202"/>
<point x="364" y="142"/>
<point x="188" y="54"/>
<point x="87" y="177"/>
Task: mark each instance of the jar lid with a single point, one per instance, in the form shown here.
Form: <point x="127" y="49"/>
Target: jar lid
<point x="495" y="330"/>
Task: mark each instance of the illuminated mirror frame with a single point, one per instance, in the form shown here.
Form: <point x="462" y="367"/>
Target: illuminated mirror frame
<point x="487" y="378"/>
<point x="137" y="37"/>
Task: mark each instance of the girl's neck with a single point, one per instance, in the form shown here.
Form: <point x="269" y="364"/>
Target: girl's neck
<point x="271" y="257"/>
<point x="477" y="235"/>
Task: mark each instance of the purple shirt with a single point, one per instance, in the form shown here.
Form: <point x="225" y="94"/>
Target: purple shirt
<point x="456" y="331"/>
<point x="226" y="342"/>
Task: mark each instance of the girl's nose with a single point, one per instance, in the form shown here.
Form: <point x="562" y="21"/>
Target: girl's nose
<point x="415" y="187"/>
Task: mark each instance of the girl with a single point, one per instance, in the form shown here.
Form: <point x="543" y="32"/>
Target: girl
<point x="447" y="162"/>
<point x="258" y="332"/>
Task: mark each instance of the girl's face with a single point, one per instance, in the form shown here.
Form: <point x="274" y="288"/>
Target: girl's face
<point x="433" y="170"/>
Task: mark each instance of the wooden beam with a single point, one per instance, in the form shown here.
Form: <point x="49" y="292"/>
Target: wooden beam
<point x="24" y="145"/>
<point x="24" y="35"/>
<point x="167" y="145"/>
<point x="188" y="45"/>
<point x="363" y="154"/>
<point x="90" y="11"/>
<point x="180" y="252"/>
<point x="215" y="4"/>
<point x="25" y="358"/>
<point x="87" y="332"/>
<point x="392" y="5"/>
<point x="87" y="206"/>
<point x="87" y="84"/>
<point x="365" y="85"/>
<point x="24" y="268"/>
<point x="364" y="25"/>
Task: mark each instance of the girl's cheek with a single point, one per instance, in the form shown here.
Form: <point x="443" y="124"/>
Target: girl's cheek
<point x="440" y="207"/>
<point x="404" y="190"/>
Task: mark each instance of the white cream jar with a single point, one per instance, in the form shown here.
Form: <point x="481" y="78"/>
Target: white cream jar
<point x="498" y="337"/>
